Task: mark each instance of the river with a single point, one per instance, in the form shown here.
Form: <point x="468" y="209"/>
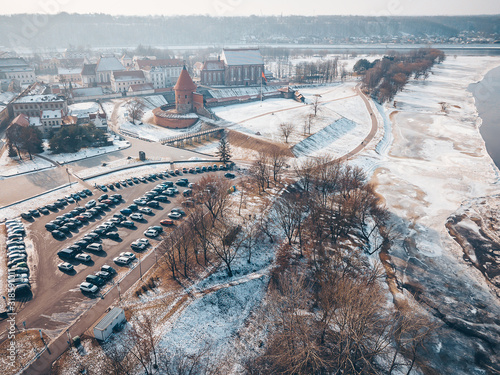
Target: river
<point x="487" y="96"/>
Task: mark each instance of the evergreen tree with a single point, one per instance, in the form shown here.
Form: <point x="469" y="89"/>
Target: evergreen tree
<point x="223" y="151"/>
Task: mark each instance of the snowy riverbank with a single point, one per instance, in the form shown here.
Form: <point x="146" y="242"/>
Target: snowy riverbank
<point x="436" y="161"/>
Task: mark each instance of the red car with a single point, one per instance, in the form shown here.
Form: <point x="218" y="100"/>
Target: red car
<point x="167" y="222"/>
<point x="82" y="218"/>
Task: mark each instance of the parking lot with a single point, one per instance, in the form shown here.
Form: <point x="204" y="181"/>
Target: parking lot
<point x="57" y="298"/>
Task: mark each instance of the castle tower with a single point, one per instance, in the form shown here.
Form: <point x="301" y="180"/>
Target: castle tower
<point x="184" y="89"/>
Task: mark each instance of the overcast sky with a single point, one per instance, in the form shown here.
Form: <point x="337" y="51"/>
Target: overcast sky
<point x="257" y="7"/>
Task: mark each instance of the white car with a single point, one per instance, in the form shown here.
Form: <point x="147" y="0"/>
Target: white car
<point x="143" y="240"/>
<point x="146" y="210"/>
<point x="121" y="261"/>
<point x="88" y="287"/>
<point x="83" y="257"/>
<point x="65" y="266"/>
<point x="151" y="233"/>
<point x="128" y="255"/>
<point x="136" y="216"/>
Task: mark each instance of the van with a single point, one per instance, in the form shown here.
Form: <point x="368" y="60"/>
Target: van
<point x="94" y="247"/>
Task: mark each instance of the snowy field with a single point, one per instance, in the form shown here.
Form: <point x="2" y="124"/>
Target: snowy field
<point x="342" y="121"/>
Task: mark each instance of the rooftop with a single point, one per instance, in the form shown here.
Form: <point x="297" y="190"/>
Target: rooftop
<point x="39" y="99"/>
<point x="112" y="315"/>
<point x="143" y="64"/>
<point x="51" y="114"/>
<point x="128" y="75"/>
<point x="213" y="65"/>
<point x="89" y="69"/>
<point x="185" y="82"/>
<point x="250" y="56"/>
<point x="109" y="64"/>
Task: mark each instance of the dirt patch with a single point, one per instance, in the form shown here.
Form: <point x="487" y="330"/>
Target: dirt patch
<point x="260" y="145"/>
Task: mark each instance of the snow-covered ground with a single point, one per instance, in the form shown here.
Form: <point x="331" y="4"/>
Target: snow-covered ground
<point x="82" y="109"/>
<point x="341" y="123"/>
<point x="430" y="163"/>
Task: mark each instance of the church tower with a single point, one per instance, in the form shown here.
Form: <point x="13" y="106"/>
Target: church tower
<point x="184" y="89"/>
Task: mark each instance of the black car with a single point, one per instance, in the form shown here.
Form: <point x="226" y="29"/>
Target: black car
<point x="113" y="235"/>
<point x="51" y="207"/>
<point x="58" y="235"/>
<point x="44" y="210"/>
<point x="153" y="204"/>
<point x="229" y="175"/>
<point x="96" y="280"/>
<point x="51" y="226"/>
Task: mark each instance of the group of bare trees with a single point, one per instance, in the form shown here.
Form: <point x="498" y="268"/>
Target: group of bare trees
<point x="322" y="71"/>
<point x="209" y="235"/>
<point x="268" y="167"/>
<point x="329" y="310"/>
<point x="386" y="77"/>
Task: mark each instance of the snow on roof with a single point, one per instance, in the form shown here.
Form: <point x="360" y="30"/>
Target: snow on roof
<point x="109" y="318"/>
<point x="159" y="62"/>
<point x="12" y="61"/>
<point x="242" y="57"/>
<point x="21" y="120"/>
<point x="69" y="70"/>
<point x="51" y="114"/>
<point x="39" y="99"/>
<point x="128" y="75"/>
<point x="108" y="64"/>
<point x="213" y="65"/>
<point x="83" y="109"/>
<point x="35" y="121"/>
<point x="89" y="69"/>
<point x="241" y="91"/>
<point x="88" y="91"/>
<point x="141" y="87"/>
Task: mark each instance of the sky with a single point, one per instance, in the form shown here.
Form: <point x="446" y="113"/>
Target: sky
<point x="256" y="7"/>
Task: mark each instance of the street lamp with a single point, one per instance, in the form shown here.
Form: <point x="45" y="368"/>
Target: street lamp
<point x="140" y="268"/>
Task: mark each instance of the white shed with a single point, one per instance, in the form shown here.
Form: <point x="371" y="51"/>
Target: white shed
<point x="104" y="328"/>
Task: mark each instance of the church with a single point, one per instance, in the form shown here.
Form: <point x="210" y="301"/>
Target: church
<point x="235" y="67"/>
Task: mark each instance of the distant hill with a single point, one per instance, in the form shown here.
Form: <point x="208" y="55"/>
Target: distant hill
<point x="101" y="30"/>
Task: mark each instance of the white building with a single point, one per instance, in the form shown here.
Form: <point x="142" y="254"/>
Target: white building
<point x="161" y="72"/>
<point x="121" y="81"/>
<point x="50" y="120"/>
<point x="105" y="68"/>
<point x="32" y="105"/>
<point x="104" y="328"/>
<point x="17" y="68"/>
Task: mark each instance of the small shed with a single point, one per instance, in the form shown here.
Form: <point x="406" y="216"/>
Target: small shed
<point x="104" y="328"/>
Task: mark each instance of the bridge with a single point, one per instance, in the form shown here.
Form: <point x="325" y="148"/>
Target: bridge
<point x="181" y="140"/>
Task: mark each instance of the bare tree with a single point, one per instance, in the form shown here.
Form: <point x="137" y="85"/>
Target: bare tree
<point x="212" y="191"/>
<point x="315" y="107"/>
<point x="278" y="162"/>
<point x="259" y="171"/>
<point x="225" y="241"/>
<point x="286" y="129"/>
<point x="135" y="109"/>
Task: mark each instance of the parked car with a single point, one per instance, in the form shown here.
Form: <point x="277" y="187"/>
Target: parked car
<point x="138" y="246"/>
<point x="174" y="215"/>
<point x="140" y="202"/>
<point x="94" y="247"/>
<point x="125" y="211"/>
<point x="66" y="253"/>
<point x="26" y="216"/>
<point x="113" y="235"/>
<point x="65" y="267"/>
<point x="83" y="257"/>
<point x="122" y="261"/>
<point x="146" y="210"/>
<point x="167" y="222"/>
<point x="87" y="191"/>
<point x="136" y="216"/>
<point x="179" y="210"/>
<point x="229" y="175"/>
<point x="108" y="269"/>
<point x="91" y="203"/>
<point x="127" y="254"/>
<point x="103" y="275"/>
<point x="127" y="224"/>
<point x="96" y="280"/>
<point x="58" y="235"/>
<point x="87" y="287"/>
<point x="154" y="204"/>
<point x="151" y="233"/>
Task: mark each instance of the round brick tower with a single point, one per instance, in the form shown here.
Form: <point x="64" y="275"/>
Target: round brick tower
<point x="184" y="89"/>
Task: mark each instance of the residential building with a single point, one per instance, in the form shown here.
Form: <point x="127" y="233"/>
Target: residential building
<point x="122" y="80"/>
<point x="69" y="74"/>
<point x="51" y="120"/>
<point x="17" y="68"/>
<point x="160" y="72"/>
<point x="33" y="105"/>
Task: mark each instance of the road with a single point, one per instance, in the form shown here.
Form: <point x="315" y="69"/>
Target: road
<point x="57" y="301"/>
<point x="24" y="186"/>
